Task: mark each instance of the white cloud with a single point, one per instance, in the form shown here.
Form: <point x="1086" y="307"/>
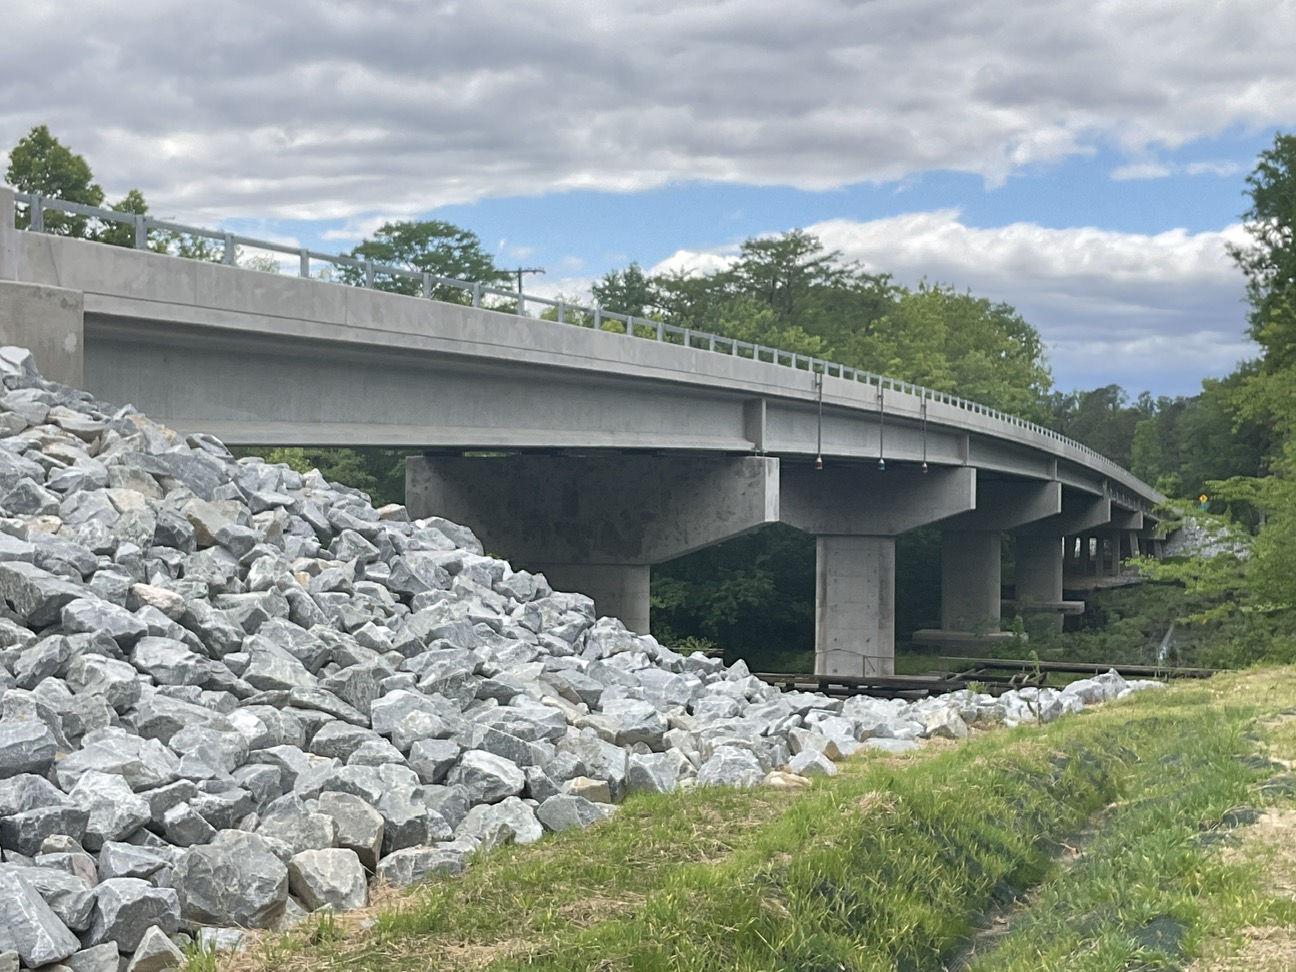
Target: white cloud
<point x="1161" y="170"/>
<point x="1142" y="310"/>
<point x="313" y="109"/>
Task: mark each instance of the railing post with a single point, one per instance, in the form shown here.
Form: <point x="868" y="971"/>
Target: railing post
<point x="598" y="318"/>
<point x="369" y="274"/>
<point x="141" y="232"/>
<point x="562" y="312"/>
<point x="229" y="257"/>
<point x="36" y="212"/>
<point x="304" y="264"/>
<point x="427" y="285"/>
<point x="521" y="304"/>
<point x="476" y="294"/>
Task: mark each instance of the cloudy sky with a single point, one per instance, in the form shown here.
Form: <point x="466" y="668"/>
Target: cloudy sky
<point x="1084" y="160"/>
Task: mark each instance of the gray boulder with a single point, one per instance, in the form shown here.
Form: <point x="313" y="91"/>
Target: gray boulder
<point x="25" y="747"/>
<point x="116" y="811"/>
<point x="127" y="907"/>
<point x="298" y="827"/>
<point x="236" y="882"/>
<point x="99" y="958"/>
<point x="156" y="953"/>
<point x="69" y="896"/>
<point x="731" y="766"/>
<point x="28" y="926"/>
<point x="564" y="812"/>
<point x="413" y="864"/>
<point x="36" y="595"/>
<point x="328" y="878"/>
<point x="359" y="826"/>
<point x="514" y="818"/>
<point x="487" y="777"/>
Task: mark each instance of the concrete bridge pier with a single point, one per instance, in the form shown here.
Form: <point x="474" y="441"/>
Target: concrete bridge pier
<point x="971" y="547"/>
<point x="856" y="511"/>
<point x="596" y="524"/>
<point x="1044" y="549"/>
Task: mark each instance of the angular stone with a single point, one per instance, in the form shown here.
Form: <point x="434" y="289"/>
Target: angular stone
<point x="298" y="827"/>
<point x="329" y="878"/>
<point x="115" y="810"/>
<point x="70" y="897"/>
<point x="24" y="832"/>
<point x="36" y="595"/>
<point x="515" y="819"/>
<point x="563" y="812"/>
<point x="654" y="772"/>
<point x="26" y="747"/>
<point x="237" y="882"/>
<point x="156" y="953"/>
<point x="168" y="662"/>
<point x="269" y="670"/>
<point x="945" y="723"/>
<point x="488" y="778"/>
<point x="408" y="821"/>
<point x="99" y="958"/>
<point x="127" y="907"/>
<point x="409" y="866"/>
<point x="93" y="614"/>
<point x="29" y="927"/>
<point x="184" y="826"/>
<point x="146" y="595"/>
<point x="118" y="859"/>
<point x="636" y="722"/>
<point x="143" y="763"/>
<point x="731" y="766"/>
<point x="810" y="763"/>
<point x="596" y="791"/>
<point x="117" y="681"/>
<point x="432" y="759"/>
<point x="359" y="827"/>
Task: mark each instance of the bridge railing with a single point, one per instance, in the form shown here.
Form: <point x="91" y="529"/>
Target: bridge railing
<point x="368" y="272"/>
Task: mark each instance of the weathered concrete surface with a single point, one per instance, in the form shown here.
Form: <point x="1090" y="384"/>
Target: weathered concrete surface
<point x="49" y="322"/>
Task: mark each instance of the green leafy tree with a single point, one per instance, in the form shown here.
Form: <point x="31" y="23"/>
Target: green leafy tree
<point x="123" y="234"/>
<point x="426" y="246"/>
<point x="41" y="163"/>
<point x="628" y="291"/>
<point x="1269" y="261"/>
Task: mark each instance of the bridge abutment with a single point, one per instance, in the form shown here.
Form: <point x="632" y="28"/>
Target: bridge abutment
<point x="597" y="523"/>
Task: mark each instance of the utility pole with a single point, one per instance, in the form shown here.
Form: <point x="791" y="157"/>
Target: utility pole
<point x="521" y="270"/>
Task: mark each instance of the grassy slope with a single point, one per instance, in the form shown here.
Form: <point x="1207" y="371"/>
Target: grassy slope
<point x="896" y="863"/>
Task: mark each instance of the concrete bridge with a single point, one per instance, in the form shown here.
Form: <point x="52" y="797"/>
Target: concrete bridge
<point x="605" y="453"/>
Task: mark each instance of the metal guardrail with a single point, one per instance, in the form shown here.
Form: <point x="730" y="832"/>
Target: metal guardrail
<point x="635" y="327"/>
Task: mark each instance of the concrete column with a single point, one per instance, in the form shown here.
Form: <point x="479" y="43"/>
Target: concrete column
<point x="971" y="602"/>
<point x="1039" y="572"/>
<point x="595" y="524"/>
<point x="970" y="581"/>
<point x="618" y="590"/>
<point x="855" y="605"/>
<point x="855" y="512"/>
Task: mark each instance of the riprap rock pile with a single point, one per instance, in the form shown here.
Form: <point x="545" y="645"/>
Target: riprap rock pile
<point x="231" y="693"/>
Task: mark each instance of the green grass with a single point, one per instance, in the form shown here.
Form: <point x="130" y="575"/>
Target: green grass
<point x="896" y="863"/>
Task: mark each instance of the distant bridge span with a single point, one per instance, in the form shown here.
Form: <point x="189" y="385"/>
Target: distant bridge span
<point x="613" y="451"/>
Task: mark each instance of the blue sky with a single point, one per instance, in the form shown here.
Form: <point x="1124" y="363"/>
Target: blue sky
<point x="1084" y="161"/>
